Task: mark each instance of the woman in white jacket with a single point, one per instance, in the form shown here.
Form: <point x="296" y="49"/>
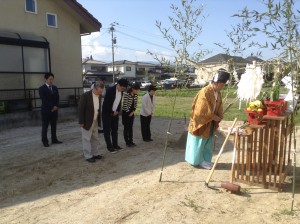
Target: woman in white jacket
<point x="147" y="109"/>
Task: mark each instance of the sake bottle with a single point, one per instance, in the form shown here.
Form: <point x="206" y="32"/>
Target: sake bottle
<point x="276" y="91"/>
<point x="271" y="96"/>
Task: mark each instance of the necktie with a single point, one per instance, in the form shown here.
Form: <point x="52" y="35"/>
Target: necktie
<point x="50" y="87"/>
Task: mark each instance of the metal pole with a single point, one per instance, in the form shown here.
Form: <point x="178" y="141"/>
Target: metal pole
<point x="113" y="55"/>
<point x="113" y="41"/>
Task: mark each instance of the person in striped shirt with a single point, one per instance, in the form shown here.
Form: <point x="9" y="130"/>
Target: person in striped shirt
<point x="130" y="99"/>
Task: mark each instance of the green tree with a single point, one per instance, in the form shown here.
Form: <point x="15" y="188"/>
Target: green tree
<point x="279" y="22"/>
<point x="184" y="30"/>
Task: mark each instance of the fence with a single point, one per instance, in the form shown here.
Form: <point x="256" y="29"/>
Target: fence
<point x="12" y="100"/>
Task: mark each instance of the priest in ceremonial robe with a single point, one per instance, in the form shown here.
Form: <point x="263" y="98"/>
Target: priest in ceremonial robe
<point x="207" y="112"/>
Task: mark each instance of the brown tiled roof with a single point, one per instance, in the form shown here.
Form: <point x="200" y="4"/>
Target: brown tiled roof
<point x="122" y="62"/>
<point x="253" y="58"/>
<point x="221" y="58"/>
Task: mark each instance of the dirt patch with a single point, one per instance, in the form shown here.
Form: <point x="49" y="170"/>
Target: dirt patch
<point x="56" y="184"/>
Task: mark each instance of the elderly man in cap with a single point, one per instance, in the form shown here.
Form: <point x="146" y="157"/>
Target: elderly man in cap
<point x="207" y="112"/>
<point x="89" y="115"/>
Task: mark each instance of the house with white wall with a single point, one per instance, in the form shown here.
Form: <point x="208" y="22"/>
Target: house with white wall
<point x="91" y="65"/>
<point x="206" y="69"/>
<point x="131" y="70"/>
<point x="38" y="37"/>
<point x="94" y="69"/>
<point x="123" y="69"/>
<point x="144" y="69"/>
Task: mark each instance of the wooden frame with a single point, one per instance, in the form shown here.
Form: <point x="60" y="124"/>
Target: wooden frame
<point x="263" y="155"/>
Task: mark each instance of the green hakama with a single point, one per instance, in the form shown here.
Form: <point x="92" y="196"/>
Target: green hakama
<point x="199" y="149"/>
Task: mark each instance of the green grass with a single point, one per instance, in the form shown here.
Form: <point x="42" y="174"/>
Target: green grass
<point x="191" y="204"/>
<point x="184" y="99"/>
<point x="283" y="212"/>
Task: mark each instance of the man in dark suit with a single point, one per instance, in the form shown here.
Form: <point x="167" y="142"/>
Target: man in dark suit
<point x="89" y="115"/>
<point x="110" y="114"/>
<point x="49" y="109"/>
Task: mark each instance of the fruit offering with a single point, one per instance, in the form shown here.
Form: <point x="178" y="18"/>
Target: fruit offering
<point x="255" y="106"/>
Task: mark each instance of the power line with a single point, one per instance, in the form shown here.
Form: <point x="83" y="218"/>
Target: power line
<point x="131" y="36"/>
<point x="132" y="49"/>
<point x="126" y="48"/>
<point x="134" y="37"/>
<point x="141" y="31"/>
<point x="145" y="41"/>
<point x="100" y="34"/>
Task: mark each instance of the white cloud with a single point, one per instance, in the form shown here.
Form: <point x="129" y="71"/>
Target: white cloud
<point x="95" y="45"/>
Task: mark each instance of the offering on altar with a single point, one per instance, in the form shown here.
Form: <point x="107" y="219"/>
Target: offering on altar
<point x="276" y="107"/>
<point x="255" y="111"/>
<point x="255" y="106"/>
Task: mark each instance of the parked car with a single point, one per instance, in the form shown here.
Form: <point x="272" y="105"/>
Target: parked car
<point x="145" y="84"/>
<point x="181" y="83"/>
<point x="169" y="84"/>
<point x="173" y="83"/>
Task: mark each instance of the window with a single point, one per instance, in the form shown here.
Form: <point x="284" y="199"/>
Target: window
<point x="30" y="6"/>
<point x="36" y="59"/>
<point x="98" y="68"/>
<point x="21" y="52"/>
<point x="10" y="58"/>
<point x="51" y="20"/>
<point x="128" y="68"/>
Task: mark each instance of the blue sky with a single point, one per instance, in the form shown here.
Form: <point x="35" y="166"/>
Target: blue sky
<point x="137" y="33"/>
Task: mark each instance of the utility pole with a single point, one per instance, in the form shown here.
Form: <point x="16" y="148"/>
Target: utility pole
<point x="113" y="42"/>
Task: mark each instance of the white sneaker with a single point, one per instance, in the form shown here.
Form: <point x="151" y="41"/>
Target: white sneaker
<point x="210" y="163"/>
<point x="206" y="165"/>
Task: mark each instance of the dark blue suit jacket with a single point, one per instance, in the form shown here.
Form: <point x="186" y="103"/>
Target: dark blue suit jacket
<point x="109" y="100"/>
<point x="49" y="99"/>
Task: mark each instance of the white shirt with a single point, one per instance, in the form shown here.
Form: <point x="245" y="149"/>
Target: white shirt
<point x="216" y="98"/>
<point x="117" y="100"/>
<point x="148" y="105"/>
<point x="96" y="106"/>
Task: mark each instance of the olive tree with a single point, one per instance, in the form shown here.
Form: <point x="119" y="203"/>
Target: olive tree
<point x="184" y="30"/>
<point x="278" y="21"/>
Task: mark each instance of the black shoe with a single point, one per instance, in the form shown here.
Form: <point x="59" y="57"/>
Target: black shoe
<point x="91" y="160"/>
<point x="147" y="140"/>
<point x="150" y="139"/>
<point x="56" y="142"/>
<point x="100" y="131"/>
<point x="98" y="157"/>
<point x="112" y="150"/>
<point x="118" y="148"/>
<point x="131" y="144"/>
<point x="46" y="144"/>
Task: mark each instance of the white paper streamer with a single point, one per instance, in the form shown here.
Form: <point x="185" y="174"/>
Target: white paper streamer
<point x="251" y="83"/>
